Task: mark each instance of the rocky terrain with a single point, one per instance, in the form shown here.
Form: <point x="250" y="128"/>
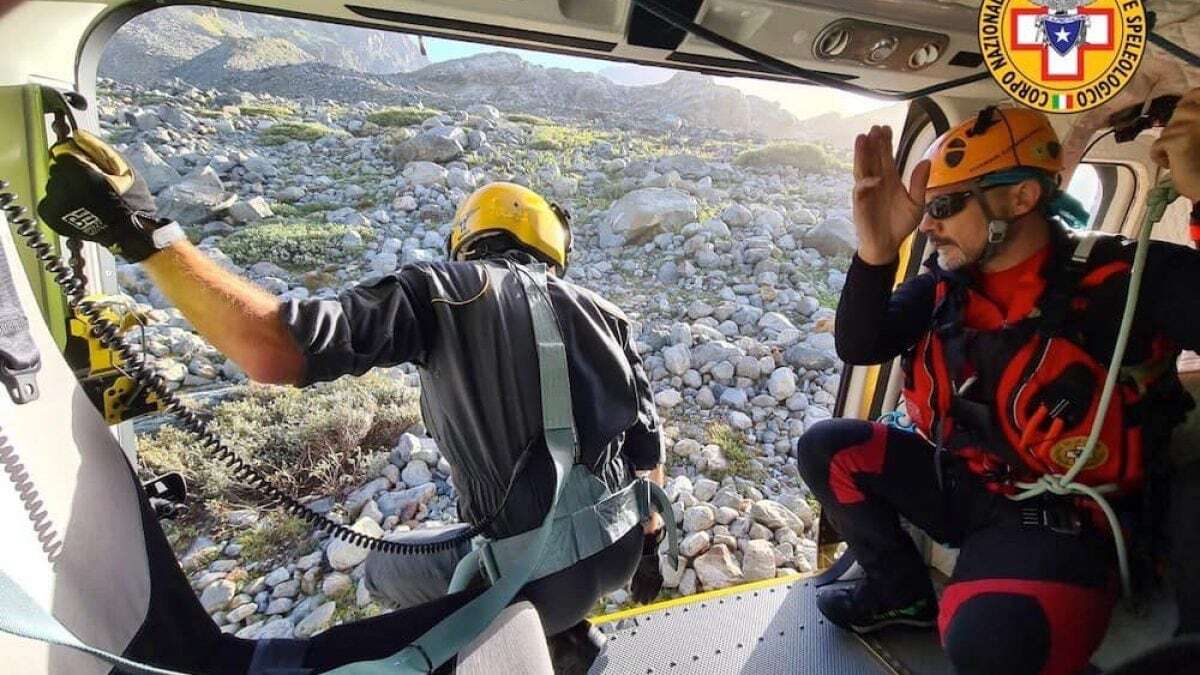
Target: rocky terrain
<point x="727" y="253"/>
<point x="155" y="43"/>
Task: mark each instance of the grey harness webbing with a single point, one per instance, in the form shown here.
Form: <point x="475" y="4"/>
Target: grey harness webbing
<point x="21" y="615"/>
<point x="19" y="357"/>
<point x="440" y="643"/>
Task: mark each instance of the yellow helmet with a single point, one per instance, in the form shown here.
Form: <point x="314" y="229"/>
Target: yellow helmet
<point x="540" y="226"/>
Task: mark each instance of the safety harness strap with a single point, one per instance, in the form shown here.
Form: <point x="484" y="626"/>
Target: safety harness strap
<point x="442" y="642"/>
<point x="20" y="615"/>
<point x="19" y="357"/>
<point x="585" y="531"/>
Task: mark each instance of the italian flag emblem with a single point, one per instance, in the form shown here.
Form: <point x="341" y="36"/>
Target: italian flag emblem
<point x="1062" y="101"/>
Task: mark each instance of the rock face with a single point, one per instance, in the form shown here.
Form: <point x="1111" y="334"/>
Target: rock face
<point x="646" y="213"/>
<point x="430" y="146"/>
<point x="195" y="199"/>
<point x="833" y="239"/>
<point x="157" y="173"/>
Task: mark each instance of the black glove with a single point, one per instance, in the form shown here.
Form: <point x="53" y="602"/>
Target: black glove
<point x="93" y="194"/>
<point x="648" y="579"/>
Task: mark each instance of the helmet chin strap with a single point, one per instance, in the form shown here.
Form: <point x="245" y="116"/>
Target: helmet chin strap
<point x="997" y="229"/>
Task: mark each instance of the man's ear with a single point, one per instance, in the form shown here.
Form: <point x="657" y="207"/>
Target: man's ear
<point x="1025" y="196"/>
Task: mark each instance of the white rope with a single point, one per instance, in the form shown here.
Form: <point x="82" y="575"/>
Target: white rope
<point x="1158" y="200"/>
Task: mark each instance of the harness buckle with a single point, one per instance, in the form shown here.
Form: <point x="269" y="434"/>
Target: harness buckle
<point x="1055" y="516"/>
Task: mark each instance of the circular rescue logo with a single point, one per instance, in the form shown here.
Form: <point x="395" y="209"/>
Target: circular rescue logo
<point x="1065" y="452"/>
<point x="1062" y="56"/>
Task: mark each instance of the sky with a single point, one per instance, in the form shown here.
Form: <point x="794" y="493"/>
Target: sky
<point x="802" y="101"/>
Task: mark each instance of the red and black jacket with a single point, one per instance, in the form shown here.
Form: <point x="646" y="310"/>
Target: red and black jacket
<point x="1017" y="400"/>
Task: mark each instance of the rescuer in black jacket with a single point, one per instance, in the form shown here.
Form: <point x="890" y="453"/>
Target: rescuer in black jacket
<point x="465" y="323"/>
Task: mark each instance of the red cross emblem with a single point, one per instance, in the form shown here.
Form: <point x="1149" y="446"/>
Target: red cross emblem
<point x="1057" y="67"/>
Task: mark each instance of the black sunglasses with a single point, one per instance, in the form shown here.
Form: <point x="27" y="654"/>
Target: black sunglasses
<point x="949" y="204"/>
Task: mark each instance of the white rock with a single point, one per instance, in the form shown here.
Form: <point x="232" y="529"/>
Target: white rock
<point x="250" y="210"/>
<point x="726" y="515"/>
<point x="739" y="420"/>
<point x="416" y="473"/>
<point x="336" y="583"/>
<point x="217" y="596"/>
<point x="758" y="560"/>
<point x="668" y="398"/>
<point x="694" y="544"/>
<point x="277" y="629"/>
<point x="699" y="518"/>
<point x="316" y="622"/>
<point x="424" y="173"/>
<point x="775" y="515"/>
<point x="782" y="383"/>
<point x="717" y="568"/>
<point x="280" y="606"/>
<point x="687" y="583"/>
<point x="705" y="489"/>
<point x="678" y="359"/>
<point x="242" y="612"/>
<point x="343" y="555"/>
<point x="642" y="214"/>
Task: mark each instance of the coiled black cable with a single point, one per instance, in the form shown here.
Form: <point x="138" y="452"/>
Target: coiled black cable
<point x="135" y="366"/>
<point x="28" y="494"/>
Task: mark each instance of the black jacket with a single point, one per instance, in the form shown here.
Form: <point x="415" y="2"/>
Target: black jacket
<point x="466" y="326"/>
<point x="876" y="323"/>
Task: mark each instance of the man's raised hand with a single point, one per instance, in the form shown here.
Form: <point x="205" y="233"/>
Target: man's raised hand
<point x="885" y="213"/>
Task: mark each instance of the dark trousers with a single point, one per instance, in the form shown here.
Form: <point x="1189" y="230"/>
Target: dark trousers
<point x="1023" y="599"/>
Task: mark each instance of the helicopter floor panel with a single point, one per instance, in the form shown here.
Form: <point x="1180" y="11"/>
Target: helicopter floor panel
<point x="764" y="628"/>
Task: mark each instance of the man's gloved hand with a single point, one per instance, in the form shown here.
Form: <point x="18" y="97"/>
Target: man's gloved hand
<point x="1178" y="148"/>
<point x="648" y="579"/>
<point x="93" y="194"/>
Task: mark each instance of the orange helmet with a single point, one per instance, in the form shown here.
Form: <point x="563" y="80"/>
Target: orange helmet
<point x="994" y="140"/>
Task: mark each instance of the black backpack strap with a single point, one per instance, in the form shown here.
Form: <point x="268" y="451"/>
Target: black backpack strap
<point x="1057" y="298"/>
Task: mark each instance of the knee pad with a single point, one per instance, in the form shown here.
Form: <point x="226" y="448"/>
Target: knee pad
<point x="998" y="633"/>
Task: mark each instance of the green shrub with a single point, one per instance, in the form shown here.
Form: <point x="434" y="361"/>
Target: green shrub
<point x="316" y="440"/>
<point x="273" y="534"/>
<point x="266" y="110"/>
<point x="556" y="137"/>
<point x="734" y="450"/>
<point x="521" y="118"/>
<point x="295" y="246"/>
<point x="284" y="132"/>
<point x="401" y="117"/>
<point x="808" y="157"/>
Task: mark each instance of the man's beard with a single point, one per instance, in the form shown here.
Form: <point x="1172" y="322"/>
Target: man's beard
<point x="949" y="256"/>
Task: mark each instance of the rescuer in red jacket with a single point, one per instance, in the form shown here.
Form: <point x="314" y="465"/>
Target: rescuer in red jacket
<point x="1005" y="342"/>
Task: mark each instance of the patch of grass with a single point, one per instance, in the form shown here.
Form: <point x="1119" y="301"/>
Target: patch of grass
<point x="808" y="157"/>
<point x="349" y="613"/>
<point x="295" y="246"/>
<point x="267" y="110"/>
<point x="522" y="118"/>
<point x="285" y="132"/>
<point x="734" y="449"/>
<point x="275" y="533"/>
<point x="316" y="440"/>
<point x="557" y="137"/>
<point x="401" y="117"/>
